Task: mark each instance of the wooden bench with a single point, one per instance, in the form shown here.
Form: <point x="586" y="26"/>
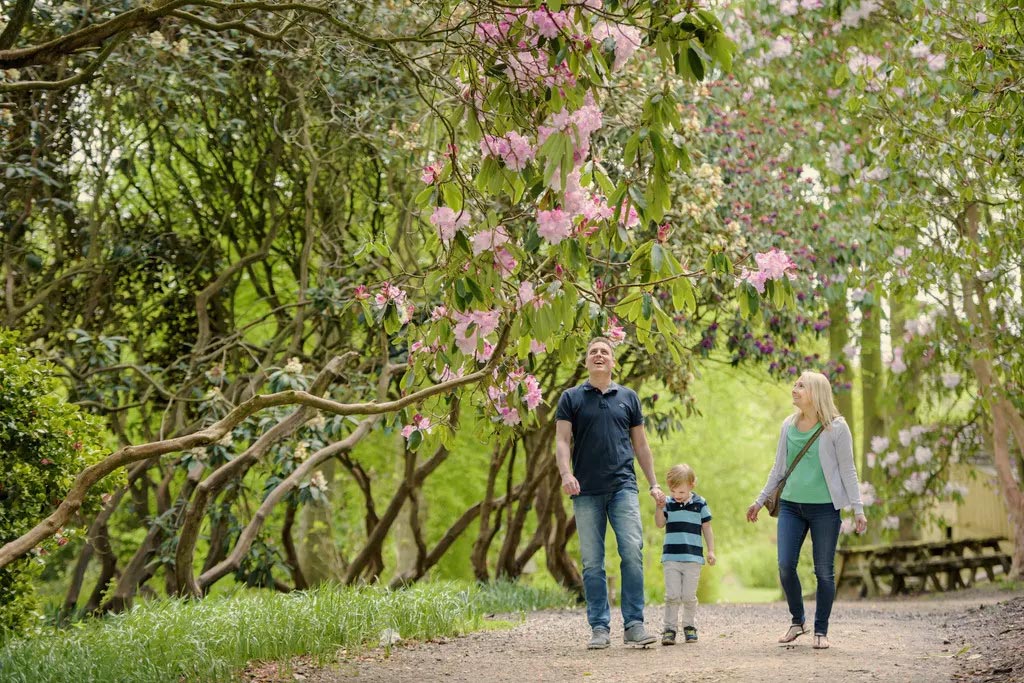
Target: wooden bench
<point x="901" y="567"/>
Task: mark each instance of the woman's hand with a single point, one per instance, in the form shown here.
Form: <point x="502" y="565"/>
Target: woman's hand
<point x="752" y="513"/>
<point x="860" y="523"/>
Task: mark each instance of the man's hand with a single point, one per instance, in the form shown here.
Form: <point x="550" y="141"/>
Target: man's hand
<point x="570" y="484"/>
<point x="658" y="495"/>
<point x="711" y="558"/>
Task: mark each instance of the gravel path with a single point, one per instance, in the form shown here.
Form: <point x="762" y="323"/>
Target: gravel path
<point x="974" y="636"/>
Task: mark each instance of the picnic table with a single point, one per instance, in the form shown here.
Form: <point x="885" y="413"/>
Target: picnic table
<point x="915" y="565"/>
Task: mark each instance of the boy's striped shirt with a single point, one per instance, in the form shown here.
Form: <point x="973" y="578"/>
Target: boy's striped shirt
<point x="683" y="540"/>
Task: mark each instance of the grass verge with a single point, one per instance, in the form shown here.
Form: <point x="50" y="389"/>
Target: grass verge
<point x="213" y="639"/>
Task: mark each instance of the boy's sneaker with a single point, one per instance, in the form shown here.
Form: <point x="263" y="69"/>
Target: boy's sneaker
<point x="636" y="636"/>
<point x="691" y="634"/>
<point x="599" y="639"/>
<point x="668" y="637"/>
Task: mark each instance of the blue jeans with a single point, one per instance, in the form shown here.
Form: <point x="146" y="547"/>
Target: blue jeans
<point x="823" y="521"/>
<point x="593" y="513"/>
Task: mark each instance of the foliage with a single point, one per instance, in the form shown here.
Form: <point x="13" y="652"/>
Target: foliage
<point x="44" y="443"/>
<point x="211" y="640"/>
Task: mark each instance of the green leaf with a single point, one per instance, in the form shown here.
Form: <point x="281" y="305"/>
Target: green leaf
<point x="696" y="63"/>
<point x="657" y="258"/>
<point x="415" y="439"/>
<point x="646" y="308"/>
<point x="452" y="197"/>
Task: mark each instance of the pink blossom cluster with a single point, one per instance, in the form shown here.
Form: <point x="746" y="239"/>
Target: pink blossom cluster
<point x="519" y="384"/>
<point x="549" y="24"/>
<point x="448" y="222"/>
<point x="935" y="62"/>
<point x="614" y="331"/>
<point x="771" y="265"/>
<point x="493" y="241"/>
<point x="579" y="125"/>
<point x="512" y="148"/>
<point x="389" y="293"/>
<point x="431" y="174"/>
<point x="897" y="365"/>
<point x="419" y="424"/>
<point x="624" y="40"/>
<point x="853" y="15"/>
<point x="471" y="327"/>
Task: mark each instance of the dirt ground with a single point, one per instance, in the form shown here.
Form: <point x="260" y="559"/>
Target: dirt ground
<point x="974" y="636"/>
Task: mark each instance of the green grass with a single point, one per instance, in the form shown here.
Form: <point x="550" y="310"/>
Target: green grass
<point x="212" y="639"/>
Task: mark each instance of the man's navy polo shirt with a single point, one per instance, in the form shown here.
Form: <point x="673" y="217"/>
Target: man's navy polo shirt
<point x="602" y="452"/>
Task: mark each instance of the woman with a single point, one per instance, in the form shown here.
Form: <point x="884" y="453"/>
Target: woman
<point x="822" y="483"/>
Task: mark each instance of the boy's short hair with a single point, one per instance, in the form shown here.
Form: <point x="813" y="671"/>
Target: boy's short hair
<point x="601" y="340"/>
<point x="681" y="474"/>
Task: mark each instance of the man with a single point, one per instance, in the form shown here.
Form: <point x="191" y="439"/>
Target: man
<point x="601" y="426"/>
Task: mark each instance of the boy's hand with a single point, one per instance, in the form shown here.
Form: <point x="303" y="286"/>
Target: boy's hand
<point x="711" y="558"/>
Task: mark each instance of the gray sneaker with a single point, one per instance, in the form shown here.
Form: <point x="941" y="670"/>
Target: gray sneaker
<point x="636" y="636"/>
<point x="599" y="640"/>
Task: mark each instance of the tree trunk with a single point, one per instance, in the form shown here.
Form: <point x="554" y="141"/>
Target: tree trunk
<point x="872" y="378"/>
<point x="838" y="338"/>
<point x="484" y="536"/>
<point x="318" y="554"/>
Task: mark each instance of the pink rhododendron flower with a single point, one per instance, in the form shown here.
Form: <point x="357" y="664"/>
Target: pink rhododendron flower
<point x="624" y="39"/>
<point x="389" y="293"/>
<point x="537" y="347"/>
<point x="419" y="423"/>
<point x="630" y="218"/>
<point x="757" y="278"/>
<point x="936" y="62"/>
<point x="554" y="225"/>
<point x="493" y="34"/>
<point x="438" y="313"/>
<point x="951" y="380"/>
<point x="526" y="293"/>
<point x="504" y="262"/>
<point x="431" y="174"/>
<point x="549" y="24"/>
<point x="614" y="331"/>
<point x="812" y="4"/>
<point x="789" y="8"/>
<point x="879" y="443"/>
<point x="484" y="322"/>
<point x="533" y="393"/>
<point x="513" y="149"/>
<point x="509" y="416"/>
<point x="448" y="222"/>
<point x="859" y="61"/>
<point x="920" y="50"/>
<point x="776" y="263"/>
<point x="897" y="364"/>
<point x="361" y="292"/>
<point x="488" y="240"/>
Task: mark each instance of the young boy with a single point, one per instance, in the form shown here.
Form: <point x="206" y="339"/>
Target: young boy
<point x="688" y="518"/>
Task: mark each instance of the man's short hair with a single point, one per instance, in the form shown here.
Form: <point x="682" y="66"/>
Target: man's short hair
<point x="600" y="340"/>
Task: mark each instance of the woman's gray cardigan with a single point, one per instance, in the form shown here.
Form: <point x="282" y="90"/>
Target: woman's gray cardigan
<point x="835" y="451"/>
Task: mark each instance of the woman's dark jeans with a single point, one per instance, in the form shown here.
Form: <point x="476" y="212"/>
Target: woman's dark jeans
<point x="823" y="521"/>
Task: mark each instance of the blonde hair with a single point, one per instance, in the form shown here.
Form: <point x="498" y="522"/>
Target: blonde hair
<point x="821" y="397"/>
<point x="681" y="474"/>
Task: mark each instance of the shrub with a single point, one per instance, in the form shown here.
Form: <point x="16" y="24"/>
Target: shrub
<point x="44" y="443"/>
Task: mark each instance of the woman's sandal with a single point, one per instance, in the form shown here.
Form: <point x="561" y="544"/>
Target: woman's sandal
<point x="820" y="642"/>
<point x="794" y="632"/>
